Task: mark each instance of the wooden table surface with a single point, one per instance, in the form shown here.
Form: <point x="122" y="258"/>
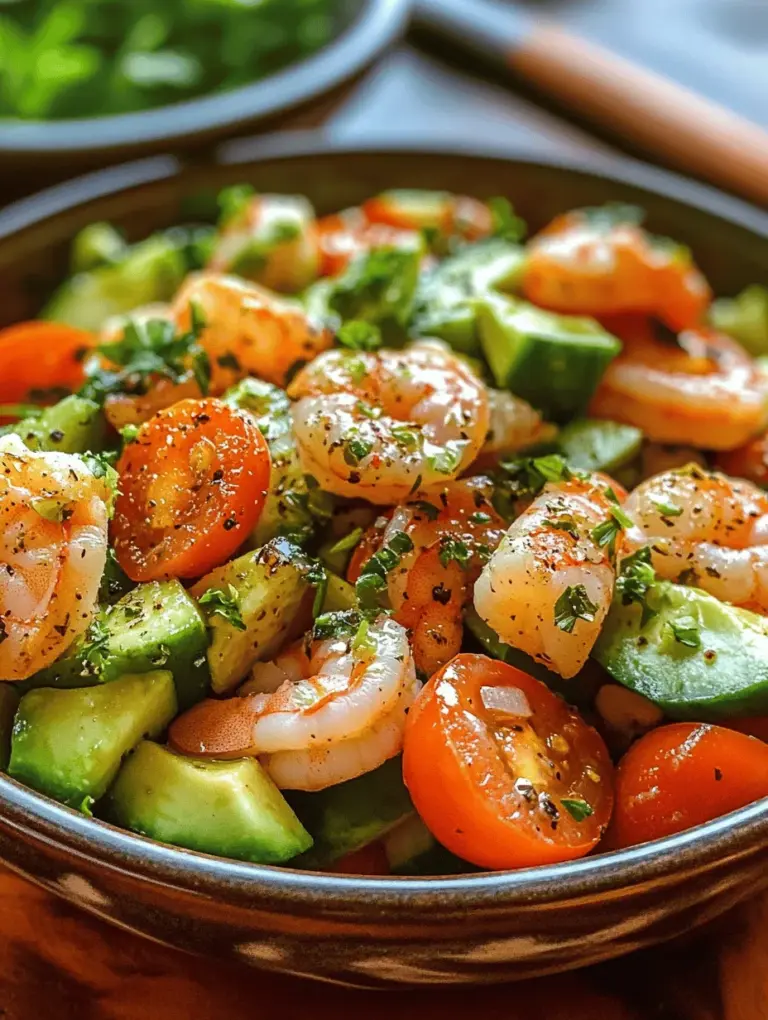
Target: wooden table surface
<point x="57" y="963"/>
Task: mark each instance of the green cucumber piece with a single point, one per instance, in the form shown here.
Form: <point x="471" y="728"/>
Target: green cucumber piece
<point x="9" y="702"/>
<point x="288" y="503"/>
<point x="227" y="808"/>
<point x="589" y="444"/>
<point x="553" y="361"/>
<point x="268" y="587"/>
<point x="150" y="271"/>
<point x="411" y="849"/>
<point x="349" y="816"/>
<point x="73" y="425"/>
<point x="446" y="299"/>
<point x="155" y="626"/>
<point x="724" y="676"/>
<point x="69" y="744"/>
<point x="339" y="595"/>
<point x="96" y="245"/>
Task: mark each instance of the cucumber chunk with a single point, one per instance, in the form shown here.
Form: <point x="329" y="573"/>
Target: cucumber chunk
<point x="268" y="587"/>
<point x="155" y="626"/>
<point x="227" y="808"/>
<point x="73" y="425"/>
<point x="552" y="361"/>
<point x="351" y="815"/>
<point x="9" y="702"/>
<point x="69" y="744"/>
<point x="719" y="670"/>
<point x="288" y="503"/>
<point x="150" y="271"/>
<point x="446" y="299"/>
<point x="411" y="849"/>
<point x="592" y="445"/>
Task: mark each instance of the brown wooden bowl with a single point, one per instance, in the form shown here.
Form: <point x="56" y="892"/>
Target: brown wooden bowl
<point x="381" y="932"/>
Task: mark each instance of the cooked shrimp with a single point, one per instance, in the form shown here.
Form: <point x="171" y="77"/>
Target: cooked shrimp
<point x="701" y="389"/>
<point x="53" y="547"/>
<point x="589" y="264"/>
<point x="325" y="715"/>
<point x="548" y="586"/>
<point x="453" y="530"/>
<point x="382" y="426"/>
<point x="707" y="530"/>
<point x="342" y="236"/>
<point x="749" y="461"/>
<point x="272" y="241"/>
<point x="249" y="331"/>
<point x="514" y="426"/>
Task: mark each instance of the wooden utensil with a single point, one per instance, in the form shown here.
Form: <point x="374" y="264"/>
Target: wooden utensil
<point x="646" y="109"/>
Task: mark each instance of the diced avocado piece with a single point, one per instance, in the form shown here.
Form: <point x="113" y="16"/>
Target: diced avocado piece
<point x="552" y="361"/>
<point x="351" y="815"/>
<point x="9" y="702"/>
<point x="592" y="445"/>
<point x="745" y="318"/>
<point x="445" y="305"/>
<point x="266" y="589"/>
<point x="150" y="271"/>
<point x="227" y="808"/>
<point x="411" y="849"/>
<point x="69" y="744"/>
<point x="696" y="658"/>
<point x="155" y="626"/>
<point x="73" y="425"/>
<point x="289" y="504"/>
<point x="95" y="245"/>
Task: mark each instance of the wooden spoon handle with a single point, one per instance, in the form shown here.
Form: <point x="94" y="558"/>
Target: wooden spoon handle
<point x="653" y="113"/>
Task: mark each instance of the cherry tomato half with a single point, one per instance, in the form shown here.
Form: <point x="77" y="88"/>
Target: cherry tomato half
<point x="681" y="775"/>
<point x="192" y="486"/>
<point x="41" y="356"/>
<point x="499" y="789"/>
<point x="749" y="461"/>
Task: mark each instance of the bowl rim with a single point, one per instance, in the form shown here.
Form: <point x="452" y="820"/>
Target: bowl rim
<point x="377" y="24"/>
<point x="41" y="819"/>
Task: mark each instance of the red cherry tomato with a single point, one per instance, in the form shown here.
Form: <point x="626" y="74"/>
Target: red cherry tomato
<point x="192" y="486"/>
<point x="681" y="775"/>
<point x="500" y="789"/>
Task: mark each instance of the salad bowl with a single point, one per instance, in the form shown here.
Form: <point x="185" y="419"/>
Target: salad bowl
<point x="379" y="932"/>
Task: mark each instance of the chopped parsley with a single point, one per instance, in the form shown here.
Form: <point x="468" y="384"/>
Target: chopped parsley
<point x="606" y="533"/>
<point x="563" y="524"/>
<point x="147" y="349"/>
<point x="574" y="604"/>
<point x="406" y="436"/>
<point x="317" y="578"/>
<point x="359" y="335"/>
<point x="430" y="511"/>
<point x="372" y="581"/>
<point x="668" y="509"/>
<point x="453" y="549"/>
<point x="226" y="604"/>
<point x="506" y="223"/>
<point x="686" y="631"/>
<point x="95" y="652"/>
<point x="480" y="518"/>
<point x="347" y="543"/>
<point x="335" y="625"/>
<point x="356" y="449"/>
<point x="578" y="809"/>
<point x="448" y="460"/>
<point x="635" y="580"/>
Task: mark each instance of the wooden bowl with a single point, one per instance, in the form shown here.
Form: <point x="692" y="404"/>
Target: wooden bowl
<point x="381" y="932"/>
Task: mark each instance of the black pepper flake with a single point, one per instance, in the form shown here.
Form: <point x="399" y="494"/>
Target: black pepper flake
<point x="718" y="775"/>
<point x="230" y="523"/>
<point x="441" y="594"/>
<point x="56" y="436"/>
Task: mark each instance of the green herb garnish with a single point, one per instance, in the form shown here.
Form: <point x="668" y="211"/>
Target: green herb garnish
<point x="574" y="604"/>
<point x="226" y="604"/>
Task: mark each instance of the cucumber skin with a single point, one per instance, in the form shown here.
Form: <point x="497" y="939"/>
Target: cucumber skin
<point x="684" y="683"/>
<point x="69" y="744"/>
<point x="590" y="444"/>
<point x="73" y="425"/>
<point x="553" y="361"/>
<point x="133" y="649"/>
<point x="232" y="809"/>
